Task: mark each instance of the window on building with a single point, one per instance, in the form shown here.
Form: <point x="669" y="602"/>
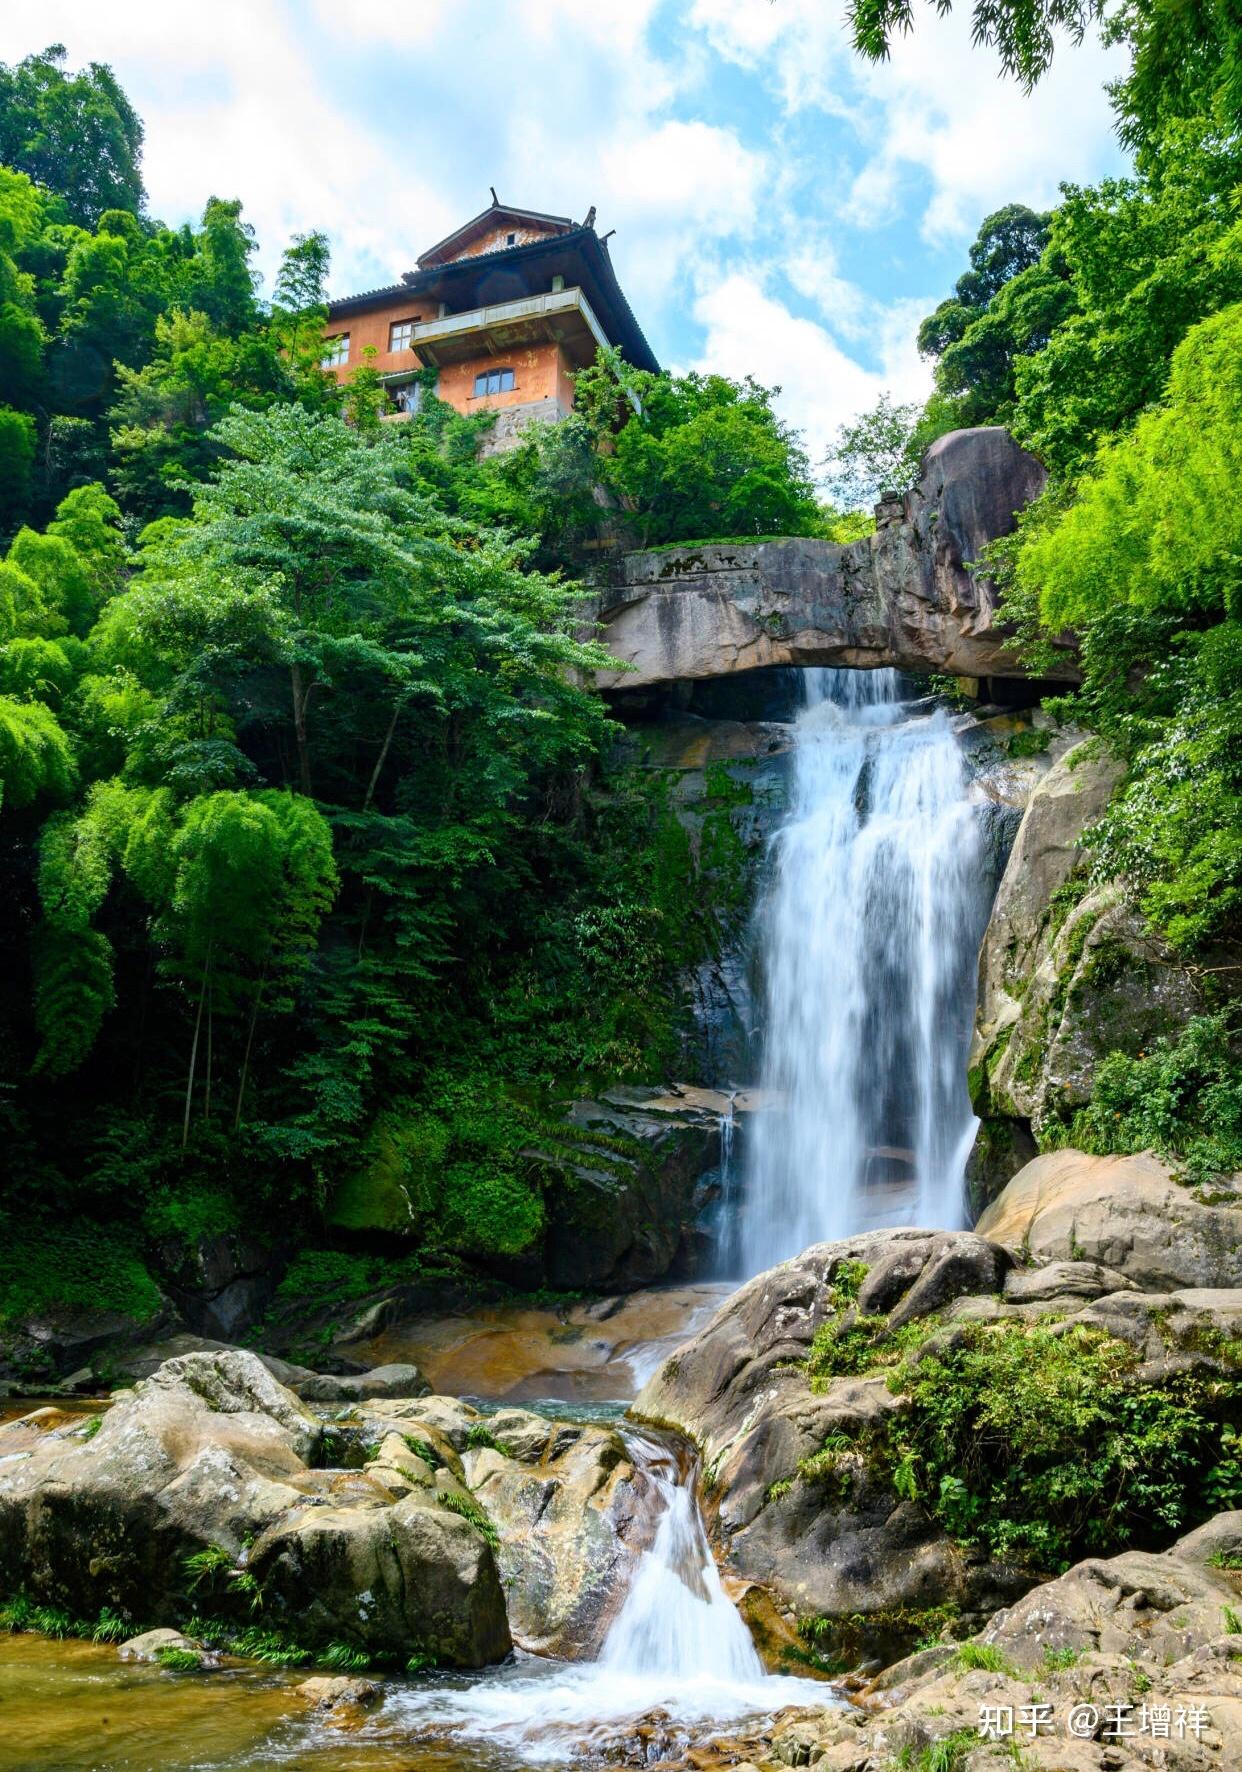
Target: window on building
<point x="401" y="335"/>
<point x="493" y="381"/>
<point x="336" y="351"/>
<point x="510" y="239"/>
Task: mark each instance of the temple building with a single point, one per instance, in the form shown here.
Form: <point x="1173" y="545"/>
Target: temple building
<point x="505" y="310"/>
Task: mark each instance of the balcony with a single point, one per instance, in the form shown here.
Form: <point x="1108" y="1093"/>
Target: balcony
<point x="563" y="317"/>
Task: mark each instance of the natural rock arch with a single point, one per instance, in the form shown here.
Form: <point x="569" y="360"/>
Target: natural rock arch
<point x="901" y="597"/>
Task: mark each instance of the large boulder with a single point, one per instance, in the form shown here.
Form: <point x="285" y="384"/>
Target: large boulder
<point x="1068" y="972"/>
<point x="804" y="1398"/>
<point x="211" y="1458"/>
<point x="568" y="1502"/>
<point x="384" y="1575"/>
<point x="852" y="1554"/>
<point x="1124" y="1212"/>
<point x="903" y="596"/>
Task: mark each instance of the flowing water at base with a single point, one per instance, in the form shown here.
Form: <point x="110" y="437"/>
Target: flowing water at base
<point x="678" y="1645"/>
<point x="677" y="1661"/>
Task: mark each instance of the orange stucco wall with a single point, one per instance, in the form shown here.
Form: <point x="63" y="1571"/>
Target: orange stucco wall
<point x="373" y="329"/>
<point x="540" y="371"/>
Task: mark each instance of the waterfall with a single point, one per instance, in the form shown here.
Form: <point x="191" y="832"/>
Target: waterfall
<point x="677" y="1620"/>
<point x="868" y="934"/>
<point x="676" y="1647"/>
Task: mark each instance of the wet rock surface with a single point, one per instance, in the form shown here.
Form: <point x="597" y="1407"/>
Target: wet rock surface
<point x="570" y="1509"/>
<point x="599" y="1350"/>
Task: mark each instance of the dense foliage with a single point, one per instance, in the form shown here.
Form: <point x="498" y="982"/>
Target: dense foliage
<point x="1107" y="335"/>
<point x="1041" y="1446"/>
<point x="324" y="869"/>
<point x="1035" y="1443"/>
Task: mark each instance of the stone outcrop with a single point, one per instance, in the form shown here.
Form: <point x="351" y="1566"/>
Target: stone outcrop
<point x="1068" y="972"/>
<point x="1124" y="1212"/>
<point x="799" y="1492"/>
<point x="212" y="1455"/>
<point x="902" y="596"/>
<point x="403" y="1525"/>
<point x="569" y="1504"/>
<point x="738" y="1391"/>
<point x="1143" y="1649"/>
<point x="620" y="1176"/>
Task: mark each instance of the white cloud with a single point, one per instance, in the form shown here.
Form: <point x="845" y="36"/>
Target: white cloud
<point x="801" y="45"/>
<point x="948" y="113"/>
<point x="937" y="111"/>
<point x="813" y="271"/>
<point x="233" y="105"/>
<point x="749" y="331"/>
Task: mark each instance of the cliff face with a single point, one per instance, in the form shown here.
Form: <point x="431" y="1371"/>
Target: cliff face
<point x="1068" y="972"/>
<point x="903" y="596"/>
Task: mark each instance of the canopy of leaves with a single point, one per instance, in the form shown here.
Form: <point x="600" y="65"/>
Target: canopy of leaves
<point x="75" y="134"/>
<point x="878" y="452"/>
<point x="699" y="456"/>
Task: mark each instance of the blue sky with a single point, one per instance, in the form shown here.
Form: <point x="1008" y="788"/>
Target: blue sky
<point x="781" y="208"/>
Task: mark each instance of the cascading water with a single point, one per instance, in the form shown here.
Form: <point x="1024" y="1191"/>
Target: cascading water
<point x="869" y="934"/>
<point x="677" y="1622"/>
<point x="677" y="1644"/>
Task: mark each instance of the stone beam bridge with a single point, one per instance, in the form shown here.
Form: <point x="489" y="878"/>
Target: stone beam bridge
<point x="902" y="596"/>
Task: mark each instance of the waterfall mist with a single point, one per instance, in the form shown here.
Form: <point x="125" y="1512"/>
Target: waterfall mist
<point x="869" y="934"/>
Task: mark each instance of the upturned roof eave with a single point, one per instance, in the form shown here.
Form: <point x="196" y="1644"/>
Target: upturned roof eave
<point x="633" y="345"/>
<point x="433" y="259"/>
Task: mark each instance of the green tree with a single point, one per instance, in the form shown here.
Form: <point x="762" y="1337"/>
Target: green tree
<point x="252" y="877"/>
<point x="1187" y="58"/>
<point x="165" y="410"/>
<point x="879" y="451"/>
<point x="698" y="456"/>
<point x="299" y="311"/>
<point x="75" y="134"/>
<point x="35" y="754"/>
<point x="21" y="330"/>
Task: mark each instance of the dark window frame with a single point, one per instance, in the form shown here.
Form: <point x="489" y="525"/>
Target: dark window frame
<point x="483" y="389"/>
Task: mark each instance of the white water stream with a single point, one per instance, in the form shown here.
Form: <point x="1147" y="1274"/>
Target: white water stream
<point x="869" y="934"/>
<point x="678" y="1644"/>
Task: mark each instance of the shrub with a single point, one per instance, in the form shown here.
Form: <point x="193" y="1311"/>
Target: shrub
<point x="67" y="1267"/>
<point x="1182" y="1099"/>
<point x="1041" y="1447"/>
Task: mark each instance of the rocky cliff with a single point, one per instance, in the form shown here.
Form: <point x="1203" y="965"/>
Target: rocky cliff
<point x="1068" y="973"/>
<point x="904" y="596"/>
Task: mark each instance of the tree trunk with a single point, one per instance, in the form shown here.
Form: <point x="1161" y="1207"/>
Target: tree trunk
<point x="301" y="694"/>
<point x="241" y="1086"/>
<point x="382" y="758"/>
<point x="189" y="1086"/>
<point x="211" y="1024"/>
